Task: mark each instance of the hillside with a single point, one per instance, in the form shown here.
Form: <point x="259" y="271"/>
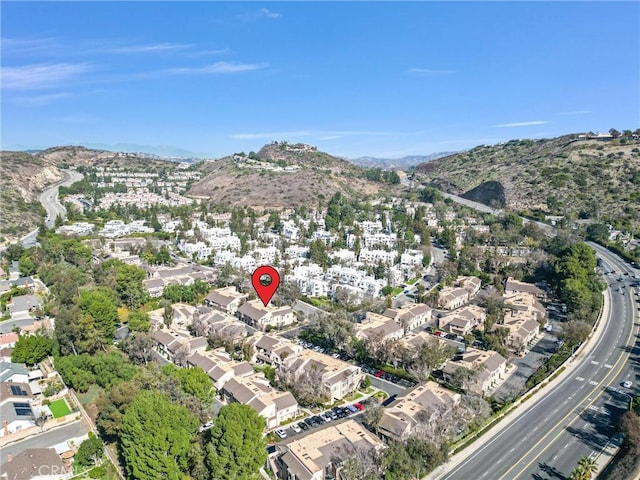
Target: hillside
<point x="564" y="175"/>
<point x="283" y="175"/>
<point x="75" y="156"/>
<point x="22" y="177"/>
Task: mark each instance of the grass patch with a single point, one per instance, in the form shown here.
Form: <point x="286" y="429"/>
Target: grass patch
<point x="355" y="396"/>
<point x="89" y="396"/>
<point x="380" y="394"/>
<point x="59" y="408"/>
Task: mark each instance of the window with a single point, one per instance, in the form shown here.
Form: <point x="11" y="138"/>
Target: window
<point x="18" y="391"/>
<point x="22" y="409"/>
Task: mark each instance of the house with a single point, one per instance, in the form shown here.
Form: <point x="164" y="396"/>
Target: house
<point x="219" y="324"/>
<point x="35" y="464"/>
<point x="154" y="286"/>
<point x="21" y="306"/>
<point x="337" y="378"/>
<point x="227" y="299"/>
<point x="254" y="390"/>
<point x="319" y="455"/>
<point x="15" y="407"/>
<point x="470" y="284"/>
<point x="254" y="313"/>
<point x="463" y="320"/>
<point x="522" y="331"/>
<point x="8" y="340"/>
<point x="410" y="316"/>
<point x="512" y="286"/>
<point x="219" y="366"/>
<point x="13" y="372"/>
<point x="272" y="350"/>
<point x="177" y="347"/>
<point x="489" y="368"/>
<point x="378" y="329"/>
<point x="451" y="298"/>
<point x="419" y="405"/>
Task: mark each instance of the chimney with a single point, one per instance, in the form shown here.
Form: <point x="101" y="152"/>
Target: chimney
<point x="6" y="428"/>
<point x="9" y="457"/>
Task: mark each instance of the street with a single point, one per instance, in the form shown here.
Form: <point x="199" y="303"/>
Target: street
<point x="45" y="440"/>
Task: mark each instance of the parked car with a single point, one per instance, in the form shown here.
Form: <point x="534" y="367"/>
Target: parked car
<point x="296" y="428"/>
<point x="326" y="417"/>
<point x="303" y="426"/>
<point x="351" y="408"/>
<point x="309" y="422"/>
<point x="359" y="406"/>
<point x="281" y="433"/>
<point x="379" y="374"/>
<point x="626" y="384"/>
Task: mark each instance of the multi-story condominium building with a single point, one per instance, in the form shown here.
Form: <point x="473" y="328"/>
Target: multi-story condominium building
<point x="257" y="315"/>
<point x="320" y="455"/>
<point x="488" y="368"/>
<point x="338" y="379"/>
<point x="416" y="408"/>
<point x="226" y="299"/>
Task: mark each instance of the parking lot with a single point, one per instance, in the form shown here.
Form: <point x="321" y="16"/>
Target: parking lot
<point x="310" y="423"/>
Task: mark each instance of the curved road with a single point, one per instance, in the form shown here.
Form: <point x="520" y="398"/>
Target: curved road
<point x="49" y="200"/>
<point x="576" y="418"/>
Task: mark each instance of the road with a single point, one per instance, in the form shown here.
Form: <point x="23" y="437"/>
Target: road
<point x="577" y="416"/>
<point x="45" y="440"/>
<point x="49" y="200"/>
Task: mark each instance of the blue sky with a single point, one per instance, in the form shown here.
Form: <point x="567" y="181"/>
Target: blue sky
<point x="381" y="79"/>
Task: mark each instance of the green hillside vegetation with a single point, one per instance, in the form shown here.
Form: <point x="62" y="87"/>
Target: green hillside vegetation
<point x="561" y="176"/>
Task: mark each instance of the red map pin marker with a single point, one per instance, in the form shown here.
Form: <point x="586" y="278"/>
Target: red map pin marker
<point x="265" y="292"/>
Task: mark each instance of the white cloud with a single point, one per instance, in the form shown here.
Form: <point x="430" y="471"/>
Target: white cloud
<point x="40" y="76"/>
<point x="431" y="71"/>
<point x="522" y="124"/>
<point x="148" y="48"/>
<point x="215" y="68"/>
<point x="269" y="14"/>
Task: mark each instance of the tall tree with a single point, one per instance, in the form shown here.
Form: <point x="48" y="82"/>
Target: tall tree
<point x="237" y="449"/>
<point x="156" y="437"/>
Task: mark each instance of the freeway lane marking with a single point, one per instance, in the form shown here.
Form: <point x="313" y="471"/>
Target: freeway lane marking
<point x="563" y="384"/>
<point x="593" y="382"/>
<point x="619" y="365"/>
<point x="593" y="362"/>
<point x="580" y="379"/>
<point x="607" y="365"/>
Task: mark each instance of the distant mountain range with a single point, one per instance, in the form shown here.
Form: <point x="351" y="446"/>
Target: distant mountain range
<point x="400" y="163"/>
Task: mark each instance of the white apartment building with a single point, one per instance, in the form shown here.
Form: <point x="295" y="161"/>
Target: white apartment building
<point x="373" y="257"/>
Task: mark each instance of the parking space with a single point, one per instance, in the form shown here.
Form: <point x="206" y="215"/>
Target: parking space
<point x="317" y="421"/>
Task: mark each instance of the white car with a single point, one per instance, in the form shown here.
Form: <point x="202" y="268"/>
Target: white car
<point x="626" y="384"/>
<point x="296" y="428"/>
<point x="281" y="433"/>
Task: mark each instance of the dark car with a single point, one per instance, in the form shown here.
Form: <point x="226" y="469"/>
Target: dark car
<point x="317" y="420"/>
<point x="309" y="422"/>
<point x="303" y="425"/>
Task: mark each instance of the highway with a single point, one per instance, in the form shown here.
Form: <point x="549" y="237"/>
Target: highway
<point x="575" y="418"/>
<point x="49" y="200"/>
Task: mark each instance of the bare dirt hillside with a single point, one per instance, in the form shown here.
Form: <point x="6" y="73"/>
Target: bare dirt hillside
<point x="281" y="175"/>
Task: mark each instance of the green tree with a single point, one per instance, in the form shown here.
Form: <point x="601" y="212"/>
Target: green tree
<point x="139" y="321"/>
<point x="156" y="437"/>
<point x="598" y="232"/>
<point x="14" y="251"/>
<point x="27" y="266"/>
<point x="237" y="449"/>
<point x="32" y="349"/>
<point x="100" y="306"/>
<point x="194" y="381"/>
<point x="89" y="452"/>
